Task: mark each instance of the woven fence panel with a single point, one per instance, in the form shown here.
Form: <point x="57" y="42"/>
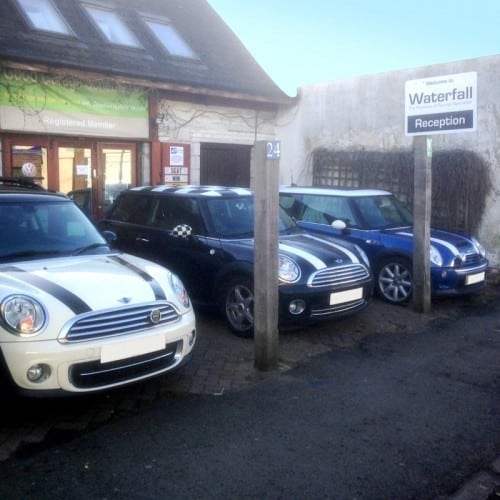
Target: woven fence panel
<point x="460" y="181"/>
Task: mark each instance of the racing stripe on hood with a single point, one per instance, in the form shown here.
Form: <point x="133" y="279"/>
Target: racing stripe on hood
<point x="155" y="286"/>
<point x="69" y="299"/>
<point x="452" y="248"/>
<point x="312" y="259"/>
<point x="339" y="248"/>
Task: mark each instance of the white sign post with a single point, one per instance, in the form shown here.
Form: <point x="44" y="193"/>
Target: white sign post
<point x="437" y="105"/>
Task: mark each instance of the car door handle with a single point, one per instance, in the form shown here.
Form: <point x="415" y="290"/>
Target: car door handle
<point x="140" y="239"/>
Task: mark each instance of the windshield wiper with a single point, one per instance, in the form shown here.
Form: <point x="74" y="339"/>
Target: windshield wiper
<point x="86" y="248"/>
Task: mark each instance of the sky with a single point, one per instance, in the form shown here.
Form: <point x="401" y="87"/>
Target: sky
<point x="310" y="41"/>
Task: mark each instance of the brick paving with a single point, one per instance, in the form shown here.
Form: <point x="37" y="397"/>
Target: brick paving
<point x="223" y="362"/>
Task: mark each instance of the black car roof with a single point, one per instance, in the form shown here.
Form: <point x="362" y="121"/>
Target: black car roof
<point x="24" y="188"/>
<point x="196" y="191"/>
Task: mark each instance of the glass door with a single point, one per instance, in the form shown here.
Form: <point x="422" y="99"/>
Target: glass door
<point x="93" y="181"/>
<point x="116" y="171"/>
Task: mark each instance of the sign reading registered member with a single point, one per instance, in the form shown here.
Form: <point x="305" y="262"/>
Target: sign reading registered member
<point x="441" y="105"/>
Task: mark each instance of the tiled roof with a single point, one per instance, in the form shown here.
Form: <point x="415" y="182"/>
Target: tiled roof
<point x="223" y="64"/>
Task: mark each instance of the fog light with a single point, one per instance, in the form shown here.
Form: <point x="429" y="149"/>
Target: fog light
<point x="297" y="306"/>
<point x="38" y="373"/>
<point x="192" y="338"/>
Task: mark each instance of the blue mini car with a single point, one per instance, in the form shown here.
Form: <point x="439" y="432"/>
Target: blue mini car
<point x="381" y="225"/>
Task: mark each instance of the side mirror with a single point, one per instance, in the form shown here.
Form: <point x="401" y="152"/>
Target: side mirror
<point x="109" y="236"/>
<point x="338" y="224"/>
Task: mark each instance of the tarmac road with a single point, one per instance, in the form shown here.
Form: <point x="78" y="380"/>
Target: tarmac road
<point x="398" y="416"/>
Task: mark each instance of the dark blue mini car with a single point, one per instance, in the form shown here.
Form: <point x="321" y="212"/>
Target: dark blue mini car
<point x="381" y="225"/>
<point x="205" y="234"/>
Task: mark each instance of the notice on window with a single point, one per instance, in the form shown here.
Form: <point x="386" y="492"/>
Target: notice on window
<point x="177" y="156"/>
<point x="82" y="170"/>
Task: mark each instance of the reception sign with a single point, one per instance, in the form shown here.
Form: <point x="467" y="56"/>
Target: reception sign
<point x="441" y="105"/>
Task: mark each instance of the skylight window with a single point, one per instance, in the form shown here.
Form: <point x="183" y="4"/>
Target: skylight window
<point x="44" y="16"/>
<point x="170" y="39"/>
<point x="111" y="26"/>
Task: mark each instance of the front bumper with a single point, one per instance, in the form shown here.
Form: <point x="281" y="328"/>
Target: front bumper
<point x="323" y="304"/>
<point x="102" y="364"/>
<point x="458" y="281"/>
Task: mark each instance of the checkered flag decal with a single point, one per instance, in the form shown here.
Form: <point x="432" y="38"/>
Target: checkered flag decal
<point x="182" y="231"/>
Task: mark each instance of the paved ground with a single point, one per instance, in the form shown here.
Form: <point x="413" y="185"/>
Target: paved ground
<point x="223" y="362"/>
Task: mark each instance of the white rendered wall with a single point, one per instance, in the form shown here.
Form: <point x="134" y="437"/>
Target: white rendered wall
<point x="368" y="112"/>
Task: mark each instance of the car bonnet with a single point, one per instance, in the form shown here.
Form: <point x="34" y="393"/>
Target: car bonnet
<point x="84" y="283"/>
<point x="318" y="251"/>
<point x="446" y="242"/>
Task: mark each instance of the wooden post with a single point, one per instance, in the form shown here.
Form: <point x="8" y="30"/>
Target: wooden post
<point x="266" y="233"/>
<point x="421" y="224"/>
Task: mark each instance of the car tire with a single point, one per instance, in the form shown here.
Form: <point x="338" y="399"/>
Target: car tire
<point x="394" y="280"/>
<point x="237" y="305"/>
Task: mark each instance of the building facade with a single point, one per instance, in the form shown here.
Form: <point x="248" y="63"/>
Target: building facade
<point x="99" y="96"/>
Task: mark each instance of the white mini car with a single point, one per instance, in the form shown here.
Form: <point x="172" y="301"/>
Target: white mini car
<point x="74" y="315"/>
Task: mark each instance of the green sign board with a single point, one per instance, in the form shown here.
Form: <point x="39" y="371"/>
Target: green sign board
<point x="38" y="102"/>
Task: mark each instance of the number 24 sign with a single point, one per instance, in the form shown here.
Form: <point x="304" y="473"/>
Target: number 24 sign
<point x="273" y="150"/>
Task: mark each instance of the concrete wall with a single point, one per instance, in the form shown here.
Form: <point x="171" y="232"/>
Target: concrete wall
<point x="195" y="124"/>
<point x="368" y="112"/>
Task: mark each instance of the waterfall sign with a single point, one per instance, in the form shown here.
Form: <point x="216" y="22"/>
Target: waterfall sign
<point x="441" y="105"/>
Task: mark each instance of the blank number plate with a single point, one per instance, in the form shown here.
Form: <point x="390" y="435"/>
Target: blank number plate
<point x="131" y="348"/>
<point x="347" y="296"/>
<point x="474" y="278"/>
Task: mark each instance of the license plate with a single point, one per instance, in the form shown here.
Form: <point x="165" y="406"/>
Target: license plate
<point x="130" y="348"/>
<point x="474" y="278"/>
<point x="347" y="296"/>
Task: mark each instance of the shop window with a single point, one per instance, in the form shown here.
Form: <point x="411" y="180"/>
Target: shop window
<point x="29" y="161"/>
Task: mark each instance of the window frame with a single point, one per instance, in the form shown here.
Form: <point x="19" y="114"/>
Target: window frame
<point x="118" y="32"/>
<point x="166" y="33"/>
<point x="53" y="21"/>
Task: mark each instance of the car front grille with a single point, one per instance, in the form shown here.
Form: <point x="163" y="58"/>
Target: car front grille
<point x="339" y="276"/>
<point x="94" y="374"/>
<point x="337" y="309"/>
<point x="120" y="321"/>
<point x="472" y="259"/>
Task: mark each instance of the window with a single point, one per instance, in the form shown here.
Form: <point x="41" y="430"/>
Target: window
<point x="111" y="26"/>
<point x="169" y="38"/>
<point x="172" y="212"/>
<point x="44" y="16"/>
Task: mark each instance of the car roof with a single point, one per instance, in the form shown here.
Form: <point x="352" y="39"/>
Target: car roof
<point x="333" y="191"/>
<point x="24" y="188"/>
<point x="197" y="191"/>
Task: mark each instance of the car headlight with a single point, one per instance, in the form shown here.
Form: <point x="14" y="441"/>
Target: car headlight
<point x="23" y="315"/>
<point x="436" y="257"/>
<point x="479" y="247"/>
<point x="363" y="256"/>
<point x="179" y="290"/>
<point x="289" y="271"/>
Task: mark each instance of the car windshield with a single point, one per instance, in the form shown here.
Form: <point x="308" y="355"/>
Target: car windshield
<point x="39" y="229"/>
<point x="234" y="217"/>
<point x="382" y="212"/>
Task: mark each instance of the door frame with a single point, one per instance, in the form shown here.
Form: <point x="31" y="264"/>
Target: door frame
<point x="52" y="145"/>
